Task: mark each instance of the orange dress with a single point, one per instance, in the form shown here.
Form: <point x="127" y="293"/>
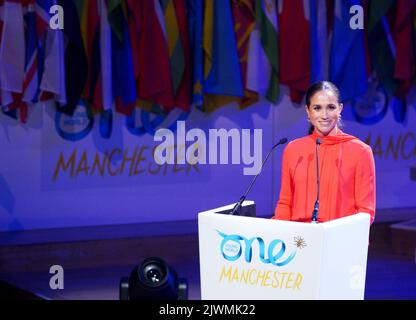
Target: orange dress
<point x="347" y="178"/>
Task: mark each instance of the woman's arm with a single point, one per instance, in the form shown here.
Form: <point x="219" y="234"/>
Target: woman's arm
<point x="283" y="209"/>
<point x="365" y="183"/>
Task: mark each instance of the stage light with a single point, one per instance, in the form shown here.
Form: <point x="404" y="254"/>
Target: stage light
<point x="153" y="279"/>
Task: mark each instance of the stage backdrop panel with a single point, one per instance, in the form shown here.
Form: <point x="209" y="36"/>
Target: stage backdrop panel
<point x="59" y="171"/>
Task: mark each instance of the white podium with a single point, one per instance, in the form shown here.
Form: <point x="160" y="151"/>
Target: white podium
<point x="248" y="258"/>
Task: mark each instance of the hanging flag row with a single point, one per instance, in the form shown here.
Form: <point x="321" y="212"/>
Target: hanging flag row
<point x="165" y="54"/>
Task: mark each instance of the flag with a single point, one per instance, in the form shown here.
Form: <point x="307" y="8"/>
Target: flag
<point x="319" y="41"/>
<point x="124" y="86"/>
<point x="381" y="44"/>
<point x="414" y="41"/>
<point x="267" y="21"/>
<point x="90" y="31"/>
<point x="51" y="54"/>
<point x="176" y="54"/>
<point x="221" y="67"/>
<point x="183" y="94"/>
<point x="404" y="68"/>
<point x="244" y="24"/>
<point x="76" y="64"/>
<point x="294" y="44"/>
<point x="258" y="66"/>
<point x="154" y="83"/>
<point x="5" y="96"/>
<point x="134" y="18"/>
<point x="31" y="80"/>
<point x="347" y="62"/>
<point x="13" y="60"/>
<point x="195" y="18"/>
<point x="105" y="58"/>
<point x="12" y="47"/>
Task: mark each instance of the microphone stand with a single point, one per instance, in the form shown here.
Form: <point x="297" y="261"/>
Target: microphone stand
<point x="316" y="207"/>
<point x="238" y="205"/>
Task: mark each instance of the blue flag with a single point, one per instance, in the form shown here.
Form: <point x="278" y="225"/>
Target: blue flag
<point x="224" y="77"/>
<point x="319" y="40"/>
<point x="347" y="62"/>
<point x="195" y="18"/>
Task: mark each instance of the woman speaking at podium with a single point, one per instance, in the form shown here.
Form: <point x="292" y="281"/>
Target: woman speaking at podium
<point x="346" y="169"/>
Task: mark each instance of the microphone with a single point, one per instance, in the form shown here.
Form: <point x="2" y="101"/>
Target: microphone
<point x="316" y="208"/>
<point x="238" y="205"/>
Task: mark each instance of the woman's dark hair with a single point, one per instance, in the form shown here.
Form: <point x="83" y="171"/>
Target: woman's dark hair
<point x="319" y="86"/>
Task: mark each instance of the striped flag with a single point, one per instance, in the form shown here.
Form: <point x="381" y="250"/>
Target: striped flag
<point x="266" y="17"/>
<point x="244" y="24"/>
<point x="176" y="53"/>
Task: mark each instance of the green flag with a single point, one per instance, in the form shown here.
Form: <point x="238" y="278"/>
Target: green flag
<point x="266" y="18"/>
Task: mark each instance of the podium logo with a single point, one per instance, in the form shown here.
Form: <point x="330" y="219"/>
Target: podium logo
<point x="234" y="246"/>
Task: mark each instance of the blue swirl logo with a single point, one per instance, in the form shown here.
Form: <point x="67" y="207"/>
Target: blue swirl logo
<point x="233" y="246"/>
<point x="139" y="123"/>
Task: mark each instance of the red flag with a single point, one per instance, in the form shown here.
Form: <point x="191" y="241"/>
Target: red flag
<point x="404" y="69"/>
<point x="135" y="16"/>
<point x="154" y="83"/>
<point x="294" y="57"/>
<point x="92" y="50"/>
<point x="183" y="97"/>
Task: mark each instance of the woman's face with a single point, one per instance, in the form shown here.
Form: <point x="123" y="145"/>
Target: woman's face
<point x="324" y="112"/>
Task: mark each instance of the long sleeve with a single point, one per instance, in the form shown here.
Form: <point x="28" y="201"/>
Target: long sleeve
<point x="283" y="209"/>
<point x="365" y="184"/>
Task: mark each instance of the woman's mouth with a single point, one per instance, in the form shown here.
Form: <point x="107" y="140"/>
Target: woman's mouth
<point x="325" y="123"/>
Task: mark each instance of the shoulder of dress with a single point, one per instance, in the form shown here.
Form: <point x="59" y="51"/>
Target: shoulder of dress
<point x="303" y="141"/>
<point x="359" y="145"/>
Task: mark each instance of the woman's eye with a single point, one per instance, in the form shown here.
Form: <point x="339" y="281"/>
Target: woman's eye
<point x="316" y="108"/>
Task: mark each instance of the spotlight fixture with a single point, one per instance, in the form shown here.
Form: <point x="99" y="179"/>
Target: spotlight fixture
<point x="153" y="279"/>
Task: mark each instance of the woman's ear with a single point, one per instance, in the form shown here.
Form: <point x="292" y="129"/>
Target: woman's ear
<point x="340" y="107"/>
<point x="307" y="111"/>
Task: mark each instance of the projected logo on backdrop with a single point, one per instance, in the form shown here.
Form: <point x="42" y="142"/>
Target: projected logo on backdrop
<point x="139" y="123"/>
<point x="372" y="106"/>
